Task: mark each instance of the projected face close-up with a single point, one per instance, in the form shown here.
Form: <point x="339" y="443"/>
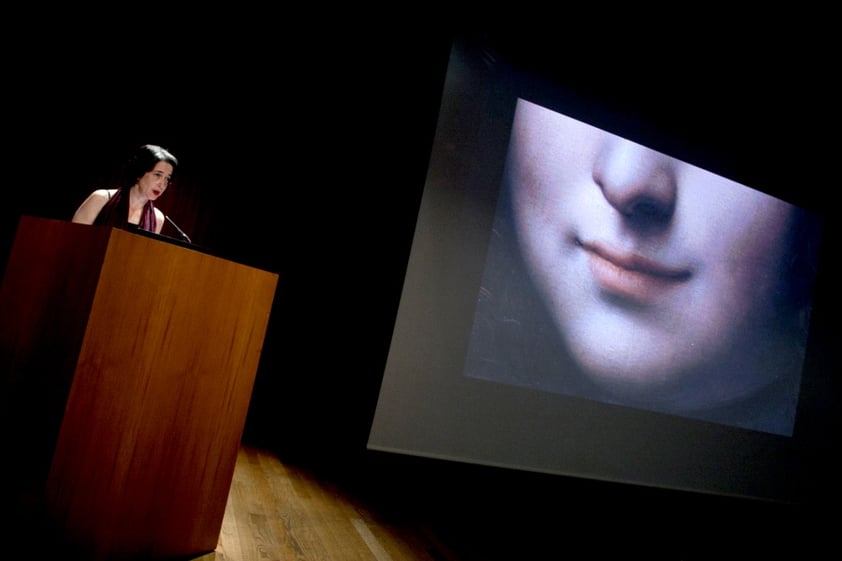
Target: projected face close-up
<point x="664" y="281"/>
<point x="614" y="287"/>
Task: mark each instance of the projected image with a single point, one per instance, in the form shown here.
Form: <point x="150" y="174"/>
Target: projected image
<point x="619" y="274"/>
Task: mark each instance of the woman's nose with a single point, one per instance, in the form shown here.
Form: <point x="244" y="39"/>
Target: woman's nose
<point x="639" y="182"/>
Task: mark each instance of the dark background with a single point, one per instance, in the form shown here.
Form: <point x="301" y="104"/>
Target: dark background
<point x="304" y="150"/>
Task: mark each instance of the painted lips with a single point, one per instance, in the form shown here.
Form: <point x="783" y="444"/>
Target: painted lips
<point x="632" y="276"/>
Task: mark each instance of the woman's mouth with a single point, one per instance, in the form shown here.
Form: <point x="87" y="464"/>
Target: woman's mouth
<point x="630" y="275"/>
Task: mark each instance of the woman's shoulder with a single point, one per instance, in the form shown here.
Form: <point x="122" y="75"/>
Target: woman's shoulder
<point x="101" y="195"/>
<point x="90" y="207"/>
<point x="104" y="193"/>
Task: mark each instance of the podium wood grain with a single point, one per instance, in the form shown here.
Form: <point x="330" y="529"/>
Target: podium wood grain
<point x="159" y="390"/>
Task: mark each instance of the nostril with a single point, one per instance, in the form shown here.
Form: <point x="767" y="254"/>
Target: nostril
<point x="648" y="208"/>
<point x="647" y="216"/>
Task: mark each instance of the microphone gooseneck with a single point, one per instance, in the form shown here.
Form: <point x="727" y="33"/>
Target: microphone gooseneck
<point x="180" y="231"/>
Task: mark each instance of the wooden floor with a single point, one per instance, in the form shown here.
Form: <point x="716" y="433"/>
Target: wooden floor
<point x="280" y="511"/>
<point x="283" y="509"/>
<point x="277" y="512"/>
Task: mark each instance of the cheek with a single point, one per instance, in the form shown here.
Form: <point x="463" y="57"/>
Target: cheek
<point x="754" y="244"/>
<point x="720" y="220"/>
<point x="547" y="184"/>
<point x="742" y="246"/>
<point x="539" y="221"/>
<point x="757" y="263"/>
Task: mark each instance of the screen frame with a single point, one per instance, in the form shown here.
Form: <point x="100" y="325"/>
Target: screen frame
<point x="426" y="407"/>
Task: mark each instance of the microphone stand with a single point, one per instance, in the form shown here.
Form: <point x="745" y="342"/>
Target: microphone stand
<point x="180" y="231"/>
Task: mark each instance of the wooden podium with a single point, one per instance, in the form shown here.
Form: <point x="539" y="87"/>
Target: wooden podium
<point x="127" y="367"/>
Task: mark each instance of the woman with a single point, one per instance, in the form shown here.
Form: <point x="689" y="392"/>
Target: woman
<point x="630" y="277"/>
<point x="148" y="174"/>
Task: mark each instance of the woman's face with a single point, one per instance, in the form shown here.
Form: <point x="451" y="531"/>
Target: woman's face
<point x="154" y="182"/>
<point x="653" y="270"/>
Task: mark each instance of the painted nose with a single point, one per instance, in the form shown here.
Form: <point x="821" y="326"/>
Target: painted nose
<point x="637" y="181"/>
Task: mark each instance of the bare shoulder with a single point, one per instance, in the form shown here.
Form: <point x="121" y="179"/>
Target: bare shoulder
<point x="100" y="195"/>
<point x="104" y="193"/>
<point x="90" y="207"/>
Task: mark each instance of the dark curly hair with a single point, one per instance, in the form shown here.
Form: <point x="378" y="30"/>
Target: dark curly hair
<point x="143" y="160"/>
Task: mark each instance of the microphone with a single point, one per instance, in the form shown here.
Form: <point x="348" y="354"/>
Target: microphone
<point x="180" y="231"/>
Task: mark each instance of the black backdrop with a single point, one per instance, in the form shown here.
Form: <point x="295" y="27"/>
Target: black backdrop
<point x="306" y="155"/>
